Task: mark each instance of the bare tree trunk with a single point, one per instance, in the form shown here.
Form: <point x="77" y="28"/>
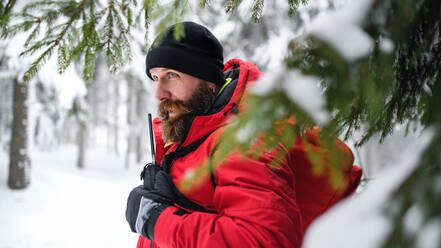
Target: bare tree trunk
<point x="130" y="120"/>
<point x="138" y="148"/>
<point x="139" y="121"/>
<point x="116" y="119"/>
<point x="129" y="150"/>
<point x="2" y="97"/>
<point x="81" y="145"/>
<point x="6" y="93"/>
<point x="19" y="162"/>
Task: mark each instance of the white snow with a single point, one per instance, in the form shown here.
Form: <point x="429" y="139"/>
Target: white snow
<point x="387" y="45"/>
<point x="223" y="30"/>
<point x="306" y="92"/>
<point x="374" y="156"/>
<point x="68" y="85"/>
<point x="301" y="89"/>
<point x="430" y="235"/>
<point x="189" y="174"/>
<point x="277" y="44"/>
<point x="245" y="133"/>
<point x="360" y="221"/>
<point x="68" y="207"/>
<point x="413" y="219"/>
<point x="268" y="82"/>
<point x="341" y="29"/>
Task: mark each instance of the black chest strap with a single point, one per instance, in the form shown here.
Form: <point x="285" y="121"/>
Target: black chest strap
<point x="166" y="164"/>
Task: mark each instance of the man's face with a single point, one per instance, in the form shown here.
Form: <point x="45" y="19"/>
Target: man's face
<point x="181" y="96"/>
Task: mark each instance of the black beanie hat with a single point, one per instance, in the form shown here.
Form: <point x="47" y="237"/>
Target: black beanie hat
<point x="197" y="53"/>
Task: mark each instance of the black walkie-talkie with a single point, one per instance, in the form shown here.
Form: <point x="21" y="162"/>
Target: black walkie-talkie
<point x="152" y="139"/>
<point x="152" y="149"/>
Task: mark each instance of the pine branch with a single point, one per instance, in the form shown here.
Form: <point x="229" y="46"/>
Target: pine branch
<point x="229" y="6"/>
<point x="89" y="64"/>
<point x="171" y="15"/>
<point x="294" y="5"/>
<point x="120" y="24"/>
<point x="116" y="41"/>
<point x="62" y="58"/>
<point x="33" y="35"/>
<point x="61" y="19"/>
<point x="417" y="190"/>
<point x="109" y="34"/>
<point x="203" y="3"/>
<point x="232" y="5"/>
<point x="6" y="12"/>
<point x="180" y="7"/>
<point x="15" y="29"/>
<point x="257" y="10"/>
<point x="51" y="40"/>
<point x="149" y="6"/>
<point x="36" y="65"/>
<point x="37" y="5"/>
<point x="75" y="50"/>
<point x="37" y="46"/>
<point x="147" y="26"/>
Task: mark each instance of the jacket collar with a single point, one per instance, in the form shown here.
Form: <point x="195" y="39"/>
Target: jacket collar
<point x="242" y="74"/>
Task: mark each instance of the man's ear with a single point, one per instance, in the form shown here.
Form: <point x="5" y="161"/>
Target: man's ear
<point x="212" y="86"/>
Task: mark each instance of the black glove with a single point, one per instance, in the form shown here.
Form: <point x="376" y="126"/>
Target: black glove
<point x="146" y="202"/>
<point x="148" y="175"/>
<point x="158" y="181"/>
<point x="143" y="209"/>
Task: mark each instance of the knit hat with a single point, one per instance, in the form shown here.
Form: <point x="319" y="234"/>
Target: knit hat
<point x="197" y="53"/>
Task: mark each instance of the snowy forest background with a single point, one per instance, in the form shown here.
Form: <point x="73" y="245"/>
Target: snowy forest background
<point x="86" y="140"/>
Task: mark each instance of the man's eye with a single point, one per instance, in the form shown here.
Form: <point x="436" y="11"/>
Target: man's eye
<point x="155" y="78"/>
<point x="172" y="75"/>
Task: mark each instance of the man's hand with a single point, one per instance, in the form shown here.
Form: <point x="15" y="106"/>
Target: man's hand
<point x="146" y="202"/>
<point x="158" y="181"/>
<point x="143" y="209"/>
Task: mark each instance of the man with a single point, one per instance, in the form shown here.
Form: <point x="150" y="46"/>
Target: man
<point x="244" y="202"/>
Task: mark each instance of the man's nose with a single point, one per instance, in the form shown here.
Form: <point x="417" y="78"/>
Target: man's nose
<point x="162" y="92"/>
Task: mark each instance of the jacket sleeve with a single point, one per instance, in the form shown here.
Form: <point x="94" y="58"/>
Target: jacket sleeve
<point x="255" y="208"/>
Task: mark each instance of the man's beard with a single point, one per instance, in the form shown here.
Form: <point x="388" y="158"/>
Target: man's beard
<point x="174" y="129"/>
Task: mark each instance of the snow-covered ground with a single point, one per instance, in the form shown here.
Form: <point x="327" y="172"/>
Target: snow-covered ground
<point x="67" y="207"/>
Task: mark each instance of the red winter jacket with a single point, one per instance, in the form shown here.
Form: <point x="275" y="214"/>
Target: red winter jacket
<point x="253" y="205"/>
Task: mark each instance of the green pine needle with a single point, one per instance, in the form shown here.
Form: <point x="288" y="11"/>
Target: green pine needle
<point x="257" y="10"/>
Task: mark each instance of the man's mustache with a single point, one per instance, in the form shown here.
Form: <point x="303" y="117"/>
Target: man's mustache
<point x="177" y="106"/>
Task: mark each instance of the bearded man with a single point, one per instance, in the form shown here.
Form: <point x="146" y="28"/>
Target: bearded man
<point x="244" y="202"/>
